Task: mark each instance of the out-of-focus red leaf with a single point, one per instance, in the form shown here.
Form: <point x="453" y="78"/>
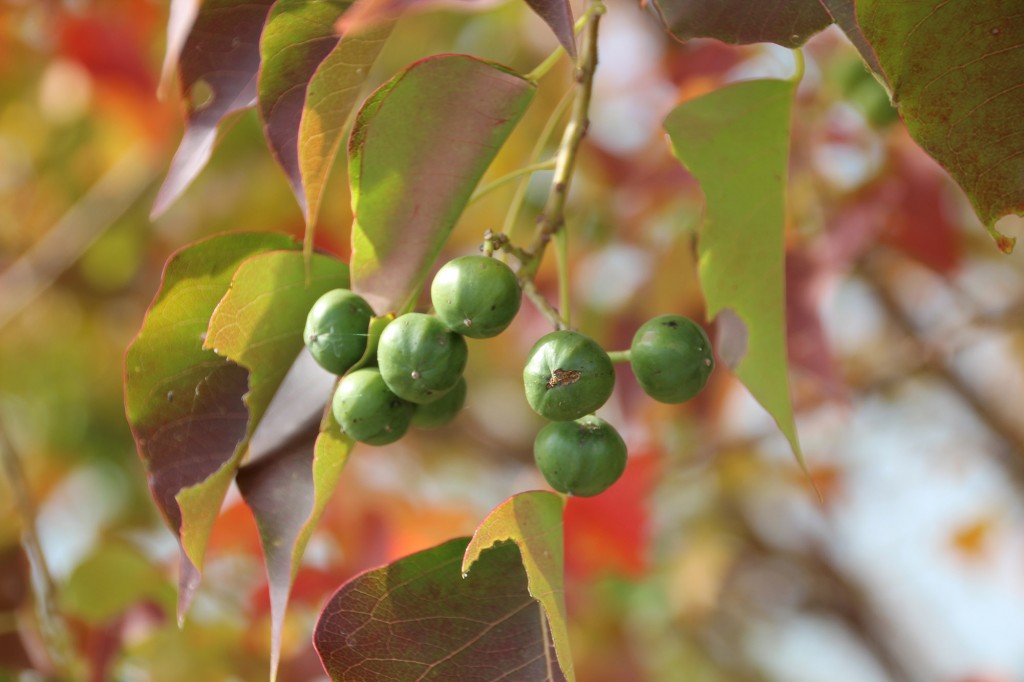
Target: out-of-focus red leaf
<point x="109" y="48"/>
<point x="786" y="22"/>
<point x="218" y="67"/>
<point x="418" y="618"/>
<point x="805" y="337"/>
<point x="921" y="223"/>
<point x="610" y="532"/>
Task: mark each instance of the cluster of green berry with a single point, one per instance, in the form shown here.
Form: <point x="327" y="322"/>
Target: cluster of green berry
<point x="568" y="376"/>
<point x="414" y="375"/>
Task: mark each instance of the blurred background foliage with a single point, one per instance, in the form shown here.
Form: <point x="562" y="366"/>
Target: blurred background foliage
<point x="713" y="559"/>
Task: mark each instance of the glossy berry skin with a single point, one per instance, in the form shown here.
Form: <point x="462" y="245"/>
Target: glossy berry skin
<point x="420" y="358"/>
<point x="368" y="411"/>
<point x="583" y="457"/>
<point x="476" y="296"/>
<point x="335" y="332"/>
<point x="567" y="375"/>
<point x="442" y="411"/>
<point x="671" y="358"/>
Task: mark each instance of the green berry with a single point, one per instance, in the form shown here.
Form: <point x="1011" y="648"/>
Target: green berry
<point x="420" y="358"/>
<point x="582" y="457"/>
<point x="367" y="409"/>
<point x="335" y="332"/>
<point x="476" y="296"/>
<point x="671" y="358"/>
<point x="567" y="376"/>
<point x="440" y="412"/>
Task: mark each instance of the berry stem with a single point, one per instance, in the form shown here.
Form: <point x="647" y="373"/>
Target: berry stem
<point x="564" y="289"/>
<point x="525" y="170"/>
<point x="619" y="355"/>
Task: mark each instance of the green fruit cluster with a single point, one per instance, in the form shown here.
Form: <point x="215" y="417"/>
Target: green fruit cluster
<point x="413" y="376"/>
<point x="568" y="376"/>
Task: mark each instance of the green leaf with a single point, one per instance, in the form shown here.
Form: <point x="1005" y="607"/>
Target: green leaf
<point x="112" y="580"/>
<point x="533" y="521"/>
<point x="259" y="324"/>
<point x="183" y="402"/>
<point x="419" y="619"/>
<point x="962" y="105"/>
<point x="309" y="80"/>
<point x="410" y="182"/>
<point x="736" y="142"/>
<point x="786" y="22"/>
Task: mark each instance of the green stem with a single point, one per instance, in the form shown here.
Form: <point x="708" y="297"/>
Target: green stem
<point x="564" y="289"/>
<point x="541" y="303"/>
<point x="525" y="170"/>
<point x="619" y="355"/>
<point x="553" y="216"/>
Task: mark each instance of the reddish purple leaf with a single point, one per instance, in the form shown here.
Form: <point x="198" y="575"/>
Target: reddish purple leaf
<point x="419" y="619"/>
<point x="558" y="15"/>
<point x="218" y="67"/>
<point x="183" y="403"/>
<point x="181" y="16"/>
<point x="786" y="22"/>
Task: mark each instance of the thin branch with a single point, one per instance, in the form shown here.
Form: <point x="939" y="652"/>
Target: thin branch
<point x="553" y="216"/>
<point x="53" y="628"/>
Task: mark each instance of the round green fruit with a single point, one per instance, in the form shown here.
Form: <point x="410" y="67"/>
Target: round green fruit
<point x="476" y="296"/>
<point x="420" y="358"/>
<point x="567" y="376"/>
<point x="582" y="457"/>
<point x="368" y="411"/>
<point x="671" y="358"/>
<point x="335" y="332"/>
<point x="440" y="412"/>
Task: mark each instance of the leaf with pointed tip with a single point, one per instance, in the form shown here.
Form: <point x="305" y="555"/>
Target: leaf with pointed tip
<point x="183" y="402"/>
<point x="844" y="14"/>
<point x="218" y="67"/>
<point x="309" y="71"/>
<point x="287" y="492"/>
<point x="533" y="520"/>
<point x="785" y="22"/>
<point x="419" y="619"/>
<point x="410" y="183"/>
<point x="557" y="14"/>
<point x="258" y="324"/>
<point x="963" y="105"/>
<point x="736" y="142"/>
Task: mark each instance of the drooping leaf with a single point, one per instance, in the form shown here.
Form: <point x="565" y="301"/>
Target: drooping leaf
<point x="558" y="15"/>
<point x="183" y="402"/>
<point x="258" y="324"/>
<point x="419" y="619"/>
<point x="533" y="521"/>
<point x="218" y="67"/>
<point x="736" y="142"/>
<point x="310" y="72"/>
<point x="410" y="183"/>
<point x="962" y="105"/>
<point x="287" y="493"/>
<point x="786" y="22"/>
